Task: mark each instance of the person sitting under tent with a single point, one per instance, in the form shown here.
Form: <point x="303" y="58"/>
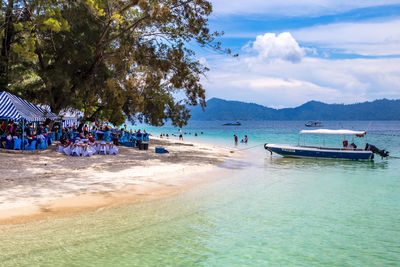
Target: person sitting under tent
<point x="85" y="129"/>
<point x="10" y="128"/>
<point x="40" y="137"/>
<point x="63" y="139"/>
<point x="28" y="129"/>
<point x="3" y="127"/>
<point x="42" y="142"/>
<point x="9" y="142"/>
<point x="3" y="141"/>
<point x="91" y="138"/>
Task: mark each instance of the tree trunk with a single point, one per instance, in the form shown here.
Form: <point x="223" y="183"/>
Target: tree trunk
<point x="6" y="46"/>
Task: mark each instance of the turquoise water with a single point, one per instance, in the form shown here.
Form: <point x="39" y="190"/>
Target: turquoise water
<point x="384" y="134"/>
<point x="269" y="211"/>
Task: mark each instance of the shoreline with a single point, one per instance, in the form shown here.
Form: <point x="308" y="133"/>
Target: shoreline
<point x="54" y="185"/>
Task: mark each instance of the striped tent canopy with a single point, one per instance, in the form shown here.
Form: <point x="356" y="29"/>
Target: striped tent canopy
<point x="15" y="108"/>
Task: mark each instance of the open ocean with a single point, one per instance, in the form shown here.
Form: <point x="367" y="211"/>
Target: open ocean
<point x="269" y="211"/>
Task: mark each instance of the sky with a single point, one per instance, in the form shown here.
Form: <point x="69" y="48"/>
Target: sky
<point x="291" y="52"/>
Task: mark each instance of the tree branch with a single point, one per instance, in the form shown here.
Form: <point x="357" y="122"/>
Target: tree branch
<point x="134" y="25"/>
<point x="92" y="68"/>
<point x="39" y="54"/>
<point x="94" y="114"/>
<point x="98" y="45"/>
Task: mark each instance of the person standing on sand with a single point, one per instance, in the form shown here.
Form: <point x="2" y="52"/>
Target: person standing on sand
<point x="180" y="135"/>
<point x="3" y="127"/>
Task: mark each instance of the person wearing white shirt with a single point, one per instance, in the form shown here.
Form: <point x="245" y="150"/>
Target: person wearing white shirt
<point x="180" y="135"/>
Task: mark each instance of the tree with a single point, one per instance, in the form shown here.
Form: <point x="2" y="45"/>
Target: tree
<point x="117" y="59"/>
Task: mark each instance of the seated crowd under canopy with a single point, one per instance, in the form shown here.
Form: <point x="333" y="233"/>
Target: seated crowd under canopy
<point x="25" y="126"/>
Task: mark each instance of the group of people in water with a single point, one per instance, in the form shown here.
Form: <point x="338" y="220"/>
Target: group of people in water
<point x="244" y="140"/>
<point x="162" y="135"/>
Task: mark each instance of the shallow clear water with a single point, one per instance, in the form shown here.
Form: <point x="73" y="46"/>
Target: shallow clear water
<point x="269" y="211"/>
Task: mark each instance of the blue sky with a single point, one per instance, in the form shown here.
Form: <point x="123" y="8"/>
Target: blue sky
<point x="295" y="51"/>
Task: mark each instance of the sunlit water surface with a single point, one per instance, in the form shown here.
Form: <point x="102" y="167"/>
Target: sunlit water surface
<point x="268" y="211"/>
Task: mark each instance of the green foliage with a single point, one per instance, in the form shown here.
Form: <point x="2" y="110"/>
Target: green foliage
<point x="111" y="59"/>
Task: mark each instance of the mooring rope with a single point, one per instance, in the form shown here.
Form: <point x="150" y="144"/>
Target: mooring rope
<point x="247" y="148"/>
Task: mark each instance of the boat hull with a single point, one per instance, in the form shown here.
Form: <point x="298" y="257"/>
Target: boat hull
<point x="313" y="152"/>
<point x="313" y="125"/>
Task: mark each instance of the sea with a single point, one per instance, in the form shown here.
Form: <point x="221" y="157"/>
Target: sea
<point x="270" y="211"/>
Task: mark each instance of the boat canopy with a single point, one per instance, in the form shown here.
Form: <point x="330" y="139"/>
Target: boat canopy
<point x="337" y="132"/>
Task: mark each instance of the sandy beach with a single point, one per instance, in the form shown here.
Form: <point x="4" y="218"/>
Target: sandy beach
<point x="37" y="185"/>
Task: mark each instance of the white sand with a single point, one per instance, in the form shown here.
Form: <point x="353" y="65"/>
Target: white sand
<point x="34" y="183"/>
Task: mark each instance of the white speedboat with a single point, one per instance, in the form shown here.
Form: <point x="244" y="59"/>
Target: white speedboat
<point x="345" y="152"/>
<point x="232" y="124"/>
<point x="313" y="124"/>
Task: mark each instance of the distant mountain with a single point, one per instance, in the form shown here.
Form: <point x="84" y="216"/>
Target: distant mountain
<point x="219" y="109"/>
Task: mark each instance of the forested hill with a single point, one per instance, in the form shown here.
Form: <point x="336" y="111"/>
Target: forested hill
<point x="219" y="109"/>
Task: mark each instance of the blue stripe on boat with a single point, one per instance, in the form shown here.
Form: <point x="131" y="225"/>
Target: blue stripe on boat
<point x="354" y="155"/>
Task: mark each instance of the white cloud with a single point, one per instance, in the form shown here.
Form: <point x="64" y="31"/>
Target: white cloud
<point x="368" y="38"/>
<point x="203" y="61"/>
<point x="293" y="7"/>
<point x="261" y="84"/>
<point x="287" y="84"/>
<point x="264" y="73"/>
<point x="283" y="90"/>
<point x="271" y="47"/>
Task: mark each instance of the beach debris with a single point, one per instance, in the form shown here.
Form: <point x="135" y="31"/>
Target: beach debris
<point x="161" y="150"/>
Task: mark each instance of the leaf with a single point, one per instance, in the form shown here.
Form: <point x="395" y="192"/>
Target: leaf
<point x="53" y="24"/>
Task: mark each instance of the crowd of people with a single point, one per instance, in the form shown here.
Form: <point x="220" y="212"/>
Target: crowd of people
<point x="100" y="138"/>
<point x="39" y="135"/>
<point x="35" y="135"/>
<point x="102" y="131"/>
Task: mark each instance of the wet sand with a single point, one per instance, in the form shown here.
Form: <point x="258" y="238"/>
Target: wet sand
<point x="34" y="186"/>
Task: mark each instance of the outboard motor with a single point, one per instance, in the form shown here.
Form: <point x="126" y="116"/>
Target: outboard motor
<point x="383" y="153"/>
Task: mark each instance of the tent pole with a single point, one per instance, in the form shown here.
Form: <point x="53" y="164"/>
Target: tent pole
<point x="61" y="127"/>
<point x="23" y="135"/>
